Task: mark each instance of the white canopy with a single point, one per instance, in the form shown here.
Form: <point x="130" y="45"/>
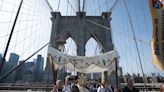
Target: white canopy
<point x="100" y="63"/>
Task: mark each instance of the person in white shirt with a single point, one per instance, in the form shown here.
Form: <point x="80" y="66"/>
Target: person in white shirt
<point x="105" y="87"/>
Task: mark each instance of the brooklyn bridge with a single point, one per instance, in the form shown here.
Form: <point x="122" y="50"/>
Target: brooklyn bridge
<point x="88" y="42"/>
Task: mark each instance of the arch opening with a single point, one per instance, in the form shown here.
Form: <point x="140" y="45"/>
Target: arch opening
<point x="92" y="48"/>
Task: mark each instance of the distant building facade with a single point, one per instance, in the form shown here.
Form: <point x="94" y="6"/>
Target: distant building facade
<point x="13" y="61"/>
<point x="39" y="68"/>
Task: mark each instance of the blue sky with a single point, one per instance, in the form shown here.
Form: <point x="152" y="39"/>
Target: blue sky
<point x="34" y="27"/>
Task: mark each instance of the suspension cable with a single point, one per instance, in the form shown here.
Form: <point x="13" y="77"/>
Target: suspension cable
<point x="114" y="4"/>
<point x="71" y="5"/>
<point x="78" y="5"/>
<point x="135" y="43"/>
<point x="49" y="6"/>
<point x="58" y="5"/>
<point x="83" y="5"/>
<point x="98" y="24"/>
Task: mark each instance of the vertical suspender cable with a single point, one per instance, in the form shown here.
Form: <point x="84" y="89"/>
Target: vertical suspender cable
<point x="83" y="5"/>
<point x="78" y="5"/>
<point x="58" y="5"/>
<point x="136" y="44"/>
<point x="10" y="36"/>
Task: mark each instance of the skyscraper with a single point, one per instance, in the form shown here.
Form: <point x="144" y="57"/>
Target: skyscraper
<point x="19" y="72"/>
<point x="39" y="68"/>
<point x="39" y="63"/>
<point x="13" y="61"/>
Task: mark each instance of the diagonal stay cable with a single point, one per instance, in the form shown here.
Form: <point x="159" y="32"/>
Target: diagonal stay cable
<point x="98" y="24"/>
<point x="49" y="5"/>
<point x="114" y="4"/>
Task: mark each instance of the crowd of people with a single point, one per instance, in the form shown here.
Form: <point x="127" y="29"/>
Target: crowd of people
<point x="82" y="85"/>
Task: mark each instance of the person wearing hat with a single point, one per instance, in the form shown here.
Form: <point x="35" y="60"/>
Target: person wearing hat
<point x="67" y="86"/>
<point x="82" y="83"/>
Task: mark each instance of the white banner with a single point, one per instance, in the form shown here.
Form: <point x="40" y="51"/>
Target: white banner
<point x="100" y="63"/>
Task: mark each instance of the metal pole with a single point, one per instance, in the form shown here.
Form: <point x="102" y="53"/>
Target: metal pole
<point x="116" y="65"/>
<point x="8" y="42"/>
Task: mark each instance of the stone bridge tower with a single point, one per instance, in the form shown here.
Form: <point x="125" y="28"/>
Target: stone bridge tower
<point x="80" y="30"/>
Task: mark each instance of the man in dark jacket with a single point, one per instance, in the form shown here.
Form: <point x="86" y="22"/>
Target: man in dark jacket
<point x="130" y="87"/>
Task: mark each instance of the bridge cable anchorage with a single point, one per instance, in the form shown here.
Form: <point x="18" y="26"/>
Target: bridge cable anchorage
<point x="49" y="6"/>
<point x="138" y="52"/>
<point x="8" y="42"/>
